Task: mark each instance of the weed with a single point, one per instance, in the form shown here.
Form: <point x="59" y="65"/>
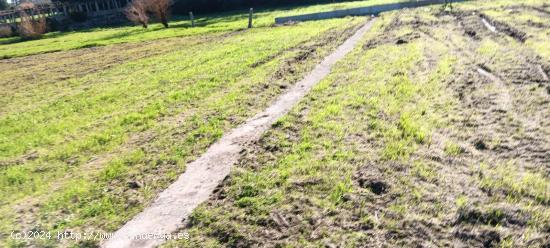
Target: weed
<point x="337" y="194"/>
<point x="453" y="149"/>
<point x="424" y="171"/>
<point x="462" y="201"/>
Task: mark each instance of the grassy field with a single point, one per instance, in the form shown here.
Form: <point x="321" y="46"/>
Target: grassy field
<point x="405" y="144"/>
<point x="91" y="133"/>
<point x="226" y="22"/>
<point x="433" y="132"/>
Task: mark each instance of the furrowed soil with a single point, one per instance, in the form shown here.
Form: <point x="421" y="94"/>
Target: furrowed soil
<point x="91" y="136"/>
<point x="434" y="133"/>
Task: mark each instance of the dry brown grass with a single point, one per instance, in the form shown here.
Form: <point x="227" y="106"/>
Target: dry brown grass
<point x="5" y="31"/>
<point x="29" y="27"/>
<point x="140" y="10"/>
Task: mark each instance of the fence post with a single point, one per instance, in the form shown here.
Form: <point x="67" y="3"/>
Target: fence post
<point x="250" y="17"/>
<point x="192" y="18"/>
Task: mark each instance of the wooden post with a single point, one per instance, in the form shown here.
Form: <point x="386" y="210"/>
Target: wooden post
<point x="192" y="18"/>
<point x="65" y="10"/>
<point x="96" y="6"/>
<point x="250" y="17"/>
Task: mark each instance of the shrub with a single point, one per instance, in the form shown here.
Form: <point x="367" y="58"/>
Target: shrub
<point x="160" y="8"/>
<point x="4" y="5"/>
<point x="29" y="28"/>
<point x="139" y="10"/>
<point x="78" y="16"/>
<point x="5" y="31"/>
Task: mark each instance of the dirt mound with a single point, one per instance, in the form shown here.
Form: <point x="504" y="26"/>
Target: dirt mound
<point x="479" y="237"/>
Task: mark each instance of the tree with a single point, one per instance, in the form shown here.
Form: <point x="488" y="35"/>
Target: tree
<point x="29" y="27"/>
<point x="160" y="9"/>
<point x="139" y="10"/>
<point x="4" y="4"/>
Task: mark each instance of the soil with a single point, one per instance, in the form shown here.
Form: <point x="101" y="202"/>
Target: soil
<point x="505" y="28"/>
<point x="481" y="117"/>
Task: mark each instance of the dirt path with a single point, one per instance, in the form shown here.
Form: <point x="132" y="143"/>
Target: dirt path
<point x="202" y="176"/>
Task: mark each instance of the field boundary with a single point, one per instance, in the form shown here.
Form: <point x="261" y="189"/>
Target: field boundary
<point x="194" y="186"/>
<point x="362" y="11"/>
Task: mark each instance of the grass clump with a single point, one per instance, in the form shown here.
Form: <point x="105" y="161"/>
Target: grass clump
<point x="453" y="149"/>
<point x="515" y="184"/>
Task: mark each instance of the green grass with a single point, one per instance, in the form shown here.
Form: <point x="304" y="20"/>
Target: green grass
<point x="223" y="22"/>
<point x="453" y="149"/>
<point x="311" y="155"/>
<point x="87" y="142"/>
<point x="140" y="122"/>
<point x="515" y="184"/>
<point x="387" y="115"/>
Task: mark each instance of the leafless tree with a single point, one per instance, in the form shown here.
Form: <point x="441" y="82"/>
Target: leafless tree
<point x="140" y="10"/>
<point x="30" y="27"/>
<point x="137" y="12"/>
<point x="161" y="9"/>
